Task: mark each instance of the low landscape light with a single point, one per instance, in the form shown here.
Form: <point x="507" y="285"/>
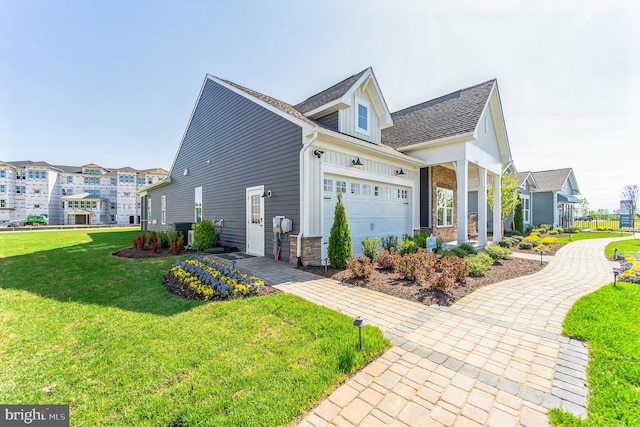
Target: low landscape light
<point x="359" y="322"/>
<point x="615" y="277"/>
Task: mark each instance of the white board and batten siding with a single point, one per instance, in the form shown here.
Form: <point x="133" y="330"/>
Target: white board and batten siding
<point x="348" y="118"/>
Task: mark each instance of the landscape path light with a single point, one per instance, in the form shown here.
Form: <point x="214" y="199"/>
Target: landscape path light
<point x="615" y="277"/>
<point x="359" y="322"/>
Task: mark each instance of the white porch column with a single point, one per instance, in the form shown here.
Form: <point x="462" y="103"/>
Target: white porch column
<point x="482" y="207"/>
<point x="462" y="177"/>
<point x="497" y="215"/>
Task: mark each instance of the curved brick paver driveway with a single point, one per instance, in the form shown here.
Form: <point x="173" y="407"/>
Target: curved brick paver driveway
<point x="495" y="358"/>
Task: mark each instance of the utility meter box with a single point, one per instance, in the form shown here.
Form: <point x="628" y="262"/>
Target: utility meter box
<point x="281" y="224"/>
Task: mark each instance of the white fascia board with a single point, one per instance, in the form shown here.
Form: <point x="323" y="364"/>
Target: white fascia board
<point x="327" y="108"/>
<point x="143" y="191"/>
<point x="306" y="127"/>
<point x="384" y="119"/>
<point x="574" y="182"/>
<point x="495" y="106"/>
<point x="465" y="137"/>
<point x="345" y="141"/>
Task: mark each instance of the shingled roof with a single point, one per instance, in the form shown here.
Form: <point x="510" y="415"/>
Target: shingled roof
<point x="453" y="114"/>
<point x="551" y="180"/>
<point x="331" y="94"/>
<point x="281" y="105"/>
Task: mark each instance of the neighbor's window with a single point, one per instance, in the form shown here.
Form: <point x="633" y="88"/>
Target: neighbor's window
<point x="2" y="188"/>
<point x="444" y="208"/>
<point x="163" y="208"/>
<point x="198" y="204"/>
<point x="1" y="203"/>
<point x="2" y="173"/>
<point x="362" y="119"/>
<point x="69" y="180"/>
<point x="526" y="208"/>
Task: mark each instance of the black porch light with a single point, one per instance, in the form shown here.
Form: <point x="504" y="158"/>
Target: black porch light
<point x="357" y="163"/>
<point x="400" y="172"/>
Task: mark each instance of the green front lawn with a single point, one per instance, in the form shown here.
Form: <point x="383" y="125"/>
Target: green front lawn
<point x="591" y="235"/>
<point x="80" y="326"/>
<point x="628" y="247"/>
<point x="609" y="320"/>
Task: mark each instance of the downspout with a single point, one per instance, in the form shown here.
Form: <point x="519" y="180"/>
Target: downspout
<point x="303" y="162"/>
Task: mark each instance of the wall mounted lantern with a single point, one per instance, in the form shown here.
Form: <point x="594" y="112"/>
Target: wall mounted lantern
<point x="400" y="172"/>
<point x="318" y="153"/>
<point x="357" y="163"/>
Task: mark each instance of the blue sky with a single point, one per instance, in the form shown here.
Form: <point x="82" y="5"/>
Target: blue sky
<point x="115" y="82"/>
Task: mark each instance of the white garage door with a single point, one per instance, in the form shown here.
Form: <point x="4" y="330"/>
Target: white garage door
<point x="373" y="209"/>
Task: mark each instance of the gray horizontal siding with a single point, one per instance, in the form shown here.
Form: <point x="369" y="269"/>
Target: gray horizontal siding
<point x="330" y="121"/>
<point x="248" y="146"/>
<point x="542" y="208"/>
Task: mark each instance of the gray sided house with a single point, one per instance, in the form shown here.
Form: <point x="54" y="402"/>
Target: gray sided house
<point x="246" y="158"/>
<point x="554" y="198"/>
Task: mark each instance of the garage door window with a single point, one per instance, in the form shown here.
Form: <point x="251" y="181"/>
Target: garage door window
<point x="445" y="207"/>
<point x="355" y="188"/>
<point x="341" y="187"/>
<point x="328" y="185"/>
<point x="366" y="190"/>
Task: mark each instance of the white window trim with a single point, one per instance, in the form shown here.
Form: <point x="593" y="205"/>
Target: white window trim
<point x="195" y="207"/>
<point x="445" y="207"/>
<point x="163" y="214"/>
<point x="522" y="198"/>
<point x="365" y="104"/>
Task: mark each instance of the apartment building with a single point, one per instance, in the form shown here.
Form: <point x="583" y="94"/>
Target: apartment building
<point x="89" y="194"/>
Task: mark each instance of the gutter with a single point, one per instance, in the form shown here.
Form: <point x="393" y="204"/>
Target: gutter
<point x="303" y="162"/>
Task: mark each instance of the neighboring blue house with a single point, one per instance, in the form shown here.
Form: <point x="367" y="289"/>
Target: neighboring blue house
<point x="547" y="197"/>
<point x="246" y="158"/>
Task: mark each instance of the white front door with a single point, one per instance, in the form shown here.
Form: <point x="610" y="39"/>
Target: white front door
<point x="255" y="221"/>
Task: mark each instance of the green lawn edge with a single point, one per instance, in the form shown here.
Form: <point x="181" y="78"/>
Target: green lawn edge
<point x="103" y="334"/>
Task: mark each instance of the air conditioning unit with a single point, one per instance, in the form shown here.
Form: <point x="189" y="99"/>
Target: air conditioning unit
<point x="190" y="237"/>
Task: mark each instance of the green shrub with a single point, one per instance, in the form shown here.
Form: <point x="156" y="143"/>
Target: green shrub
<point x="340" y="237"/>
<point x="525" y="245"/>
<point x="421" y="240"/>
<point x="517" y="239"/>
<point x="546" y="227"/>
<point x="204" y="235"/>
<point x="360" y="267"/>
<point x="560" y="230"/>
<point x="467" y="248"/>
<point x="407" y="246"/>
<point x="553" y="232"/>
<point x="371" y="247"/>
<point x="163" y="239"/>
<point x="540" y="230"/>
<point x="173" y="236"/>
<point x="478" y="264"/>
<point x="389" y="242"/>
<point x="497" y="252"/>
<point x="387" y="260"/>
<point x="518" y="219"/>
<point x="506" y="243"/>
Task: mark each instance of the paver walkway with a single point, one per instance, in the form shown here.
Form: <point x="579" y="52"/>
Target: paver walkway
<point x="494" y="358"/>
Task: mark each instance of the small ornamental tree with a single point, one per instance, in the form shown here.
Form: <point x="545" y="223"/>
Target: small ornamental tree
<point x="340" y="237"/>
<point x="508" y="195"/>
<point x="518" y="218"/>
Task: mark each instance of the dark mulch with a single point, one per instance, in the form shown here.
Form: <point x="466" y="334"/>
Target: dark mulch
<point x="161" y="252"/>
<point x="390" y="283"/>
<point x="177" y="287"/>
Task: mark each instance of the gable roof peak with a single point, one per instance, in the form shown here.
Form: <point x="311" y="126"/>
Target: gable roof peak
<point x="330" y="94"/>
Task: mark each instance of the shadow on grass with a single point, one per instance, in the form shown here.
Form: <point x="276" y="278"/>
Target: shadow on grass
<point x="88" y="273"/>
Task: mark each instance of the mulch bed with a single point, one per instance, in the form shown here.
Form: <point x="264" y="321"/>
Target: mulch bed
<point x="390" y="283"/>
<point x="548" y="251"/>
<point x="161" y="252"/>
